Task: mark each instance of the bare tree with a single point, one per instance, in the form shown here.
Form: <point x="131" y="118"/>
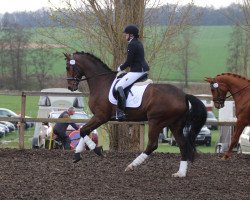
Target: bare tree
<point x="246" y="12"/>
<point x="186" y="54"/>
<point x="14" y="50"/>
<point x="239" y="44"/>
<point x="42" y="59"/>
<point x="99" y="25"/>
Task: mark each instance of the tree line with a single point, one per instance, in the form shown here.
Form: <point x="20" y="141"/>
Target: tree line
<point x="210" y="16"/>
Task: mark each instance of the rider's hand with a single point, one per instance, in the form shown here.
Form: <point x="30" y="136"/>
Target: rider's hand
<point x="120" y="73"/>
<point x="119" y="68"/>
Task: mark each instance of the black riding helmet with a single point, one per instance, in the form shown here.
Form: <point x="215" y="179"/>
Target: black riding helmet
<point x="132" y="29"/>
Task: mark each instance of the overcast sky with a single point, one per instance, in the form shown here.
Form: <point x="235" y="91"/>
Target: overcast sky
<point x="32" y="5"/>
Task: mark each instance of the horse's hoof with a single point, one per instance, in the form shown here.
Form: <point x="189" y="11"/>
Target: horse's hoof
<point x="129" y="168"/>
<point x="178" y="175"/>
<point x="99" y="151"/>
<point x="77" y="157"/>
<point x="225" y="157"/>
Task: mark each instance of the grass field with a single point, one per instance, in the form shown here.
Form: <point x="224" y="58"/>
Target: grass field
<point x="14" y="103"/>
<point x="210" y="46"/>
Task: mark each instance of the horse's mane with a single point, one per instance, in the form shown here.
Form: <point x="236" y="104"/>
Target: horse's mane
<point x="234" y="75"/>
<point x="95" y="58"/>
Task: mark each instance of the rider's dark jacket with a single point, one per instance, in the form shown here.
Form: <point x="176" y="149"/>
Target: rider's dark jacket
<point x="135" y="57"/>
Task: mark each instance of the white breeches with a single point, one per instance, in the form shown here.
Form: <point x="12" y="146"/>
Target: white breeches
<point x="128" y="79"/>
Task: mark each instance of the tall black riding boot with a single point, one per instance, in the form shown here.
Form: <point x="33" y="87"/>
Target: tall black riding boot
<point x="121" y="105"/>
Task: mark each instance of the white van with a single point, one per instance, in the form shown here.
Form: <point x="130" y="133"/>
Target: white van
<point x="47" y="104"/>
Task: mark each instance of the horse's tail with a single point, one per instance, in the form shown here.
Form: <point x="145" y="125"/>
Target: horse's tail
<point x="197" y="116"/>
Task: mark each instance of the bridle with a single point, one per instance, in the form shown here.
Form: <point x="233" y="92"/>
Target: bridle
<point x="219" y="99"/>
<point x="78" y="77"/>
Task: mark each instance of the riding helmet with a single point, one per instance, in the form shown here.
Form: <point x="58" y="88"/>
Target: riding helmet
<point x="132" y="29"/>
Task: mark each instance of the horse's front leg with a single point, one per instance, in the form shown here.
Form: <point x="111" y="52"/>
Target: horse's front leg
<point x="91" y="125"/>
<point x="235" y="138"/>
<point x="153" y="135"/>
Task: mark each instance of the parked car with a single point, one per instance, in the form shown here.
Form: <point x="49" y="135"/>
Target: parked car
<point x="4" y="112"/>
<point x="73" y="134"/>
<point x="211" y="118"/>
<point x="10" y="125"/>
<point x="203" y="138"/>
<point x="2" y="131"/>
<point x="244" y="141"/>
<point x="6" y="129"/>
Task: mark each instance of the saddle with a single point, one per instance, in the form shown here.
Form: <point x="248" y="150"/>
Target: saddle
<point x="141" y="81"/>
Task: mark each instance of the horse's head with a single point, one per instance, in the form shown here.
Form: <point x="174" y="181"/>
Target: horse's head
<point x="73" y="73"/>
<point x="218" y="90"/>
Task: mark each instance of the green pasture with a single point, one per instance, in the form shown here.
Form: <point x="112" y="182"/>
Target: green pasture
<point x="209" y="42"/>
<point x="14" y="103"/>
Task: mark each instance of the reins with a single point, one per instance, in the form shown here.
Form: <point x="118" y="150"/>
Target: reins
<point x="87" y="78"/>
<point x="236" y="92"/>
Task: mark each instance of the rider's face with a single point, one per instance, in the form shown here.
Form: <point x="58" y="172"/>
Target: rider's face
<point x="127" y="36"/>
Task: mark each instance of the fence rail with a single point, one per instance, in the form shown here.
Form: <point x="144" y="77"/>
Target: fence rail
<point x="65" y="120"/>
<point x="22" y="119"/>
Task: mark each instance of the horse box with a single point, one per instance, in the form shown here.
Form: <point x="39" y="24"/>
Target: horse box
<point x="48" y="103"/>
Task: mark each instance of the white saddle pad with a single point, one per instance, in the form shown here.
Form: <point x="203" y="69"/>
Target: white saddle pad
<point x="134" y="97"/>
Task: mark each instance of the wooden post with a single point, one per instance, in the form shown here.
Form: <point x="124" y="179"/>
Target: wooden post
<point x="142" y="130"/>
<point x="22" y="122"/>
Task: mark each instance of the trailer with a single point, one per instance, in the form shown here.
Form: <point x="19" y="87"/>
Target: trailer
<point x="47" y="104"/>
<point x="227" y="113"/>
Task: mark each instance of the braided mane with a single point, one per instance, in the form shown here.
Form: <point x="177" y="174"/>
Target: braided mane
<point x="95" y="58"/>
<point x="234" y="75"/>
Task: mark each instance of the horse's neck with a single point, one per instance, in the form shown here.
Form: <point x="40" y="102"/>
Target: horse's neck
<point x="100" y="84"/>
<point x="98" y="77"/>
<point x="235" y="85"/>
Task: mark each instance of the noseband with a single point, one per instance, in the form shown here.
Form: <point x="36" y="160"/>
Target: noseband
<point x="215" y="86"/>
<point x="77" y="78"/>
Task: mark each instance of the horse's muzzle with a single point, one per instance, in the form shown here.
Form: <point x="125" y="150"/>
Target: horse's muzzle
<point x="219" y="105"/>
<point x="72" y="88"/>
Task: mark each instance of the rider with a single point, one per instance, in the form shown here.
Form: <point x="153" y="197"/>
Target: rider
<point x="60" y="128"/>
<point x="137" y="64"/>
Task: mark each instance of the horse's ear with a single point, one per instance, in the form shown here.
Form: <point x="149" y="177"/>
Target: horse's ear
<point x="66" y="55"/>
<point x="208" y="79"/>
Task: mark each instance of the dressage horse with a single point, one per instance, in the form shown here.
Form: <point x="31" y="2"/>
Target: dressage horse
<point x="163" y="105"/>
<point x="239" y="88"/>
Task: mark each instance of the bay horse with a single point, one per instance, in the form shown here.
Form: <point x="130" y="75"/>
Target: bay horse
<point x="163" y="105"/>
<point x="239" y="88"/>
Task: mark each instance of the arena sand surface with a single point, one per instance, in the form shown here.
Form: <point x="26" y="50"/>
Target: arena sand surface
<point x="51" y="175"/>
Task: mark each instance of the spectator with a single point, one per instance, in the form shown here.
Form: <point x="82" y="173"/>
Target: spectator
<point x="60" y="128"/>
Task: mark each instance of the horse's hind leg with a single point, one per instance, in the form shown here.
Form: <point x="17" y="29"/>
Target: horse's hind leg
<point x="153" y="135"/>
<point x="177" y="130"/>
